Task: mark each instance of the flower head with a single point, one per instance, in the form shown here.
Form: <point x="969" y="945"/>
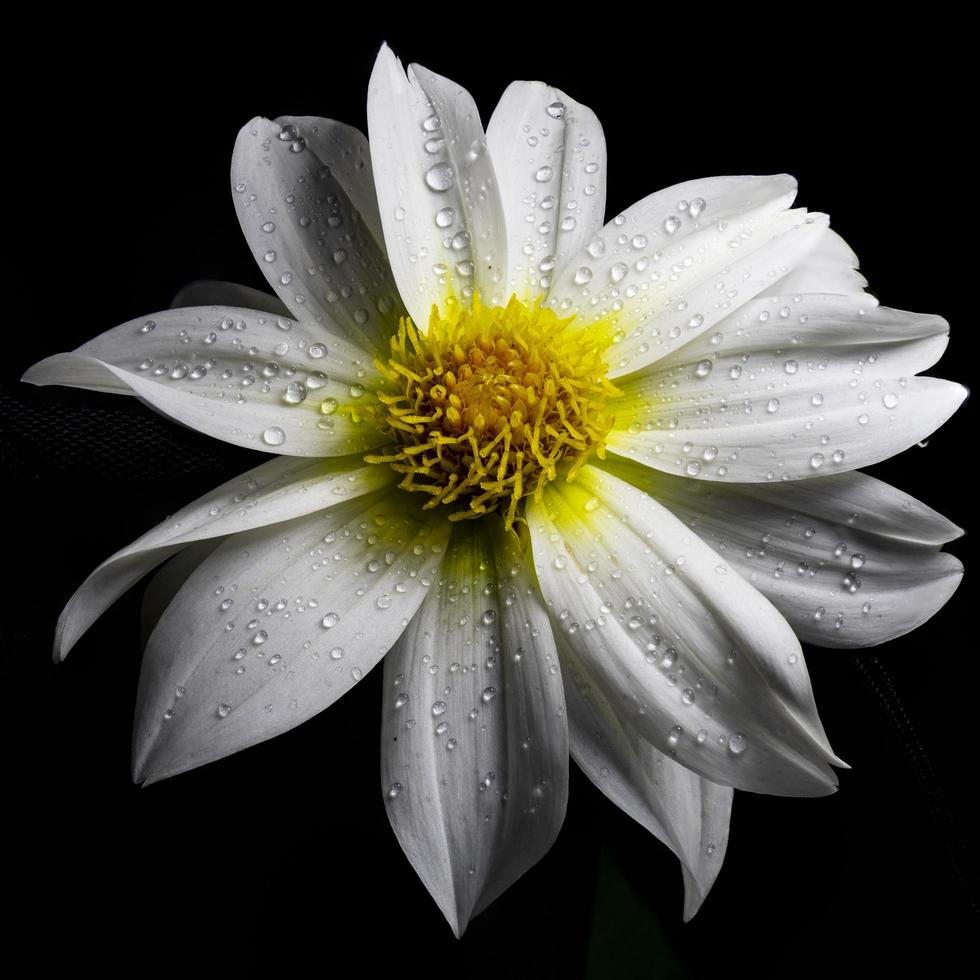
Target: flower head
<point x="584" y="487"/>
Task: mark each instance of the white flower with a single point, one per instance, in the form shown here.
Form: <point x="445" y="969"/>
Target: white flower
<point x="705" y="367"/>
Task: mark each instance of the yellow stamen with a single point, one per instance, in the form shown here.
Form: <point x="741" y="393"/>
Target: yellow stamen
<point x="486" y="405"/>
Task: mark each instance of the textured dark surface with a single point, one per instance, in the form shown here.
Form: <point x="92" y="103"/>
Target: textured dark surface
<point x="282" y="854"/>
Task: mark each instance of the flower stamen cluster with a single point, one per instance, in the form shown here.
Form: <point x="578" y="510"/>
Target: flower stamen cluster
<point x="488" y="404"/>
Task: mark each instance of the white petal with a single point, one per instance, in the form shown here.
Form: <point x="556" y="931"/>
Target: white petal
<point x="829" y="267"/>
<point x="660" y="274"/>
<point x="279" y="490"/>
<point x="677" y="640"/>
<point x="440" y="206"/>
<point x="307" y="236"/>
<point x="474" y="738"/>
<point x="275" y="625"/>
<point x="549" y="154"/>
<point x="345" y="151"/>
<point x="246" y="377"/>
<point x="848" y="560"/>
<point x="168" y="580"/>
<point x="212" y="292"/>
<point x="681" y="809"/>
<point x="787" y="388"/>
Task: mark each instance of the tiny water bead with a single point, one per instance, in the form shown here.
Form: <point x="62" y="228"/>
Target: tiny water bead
<point x="484" y="408"/>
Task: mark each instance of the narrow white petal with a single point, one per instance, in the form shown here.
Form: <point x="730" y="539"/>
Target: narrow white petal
<point x="275" y="625"/>
<point x="787" y="388"/>
<point x="249" y="378"/>
<point x="683" y="810"/>
<point x="211" y="292"/>
<point x="279" y="490"/>
<point x="440" y="206"/>
<point x="474" y="737"/>
<point x="549" y="154"/>
<point x="829" y="267"/>
<point x="307" y="235"/>
<point x="848" y="560"/>
<point x="680" y="260"/>
<point x="345" y="151"/>
<point x="689" y="653"/>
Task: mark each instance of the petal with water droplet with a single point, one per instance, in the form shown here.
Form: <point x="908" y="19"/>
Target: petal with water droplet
<point x="226" y="372"/>
<point x="675" y="263"/>
<point x="288" y="582"/>
<point x="700" y="628"/>
<point x="683" y="810"/>
<point x="279" y="490"/>
<point x="474" y="733"/>
<point x="308" y="236"/>
<point x="429" y="154"/>
<point x="864" y="552"/>
<point x="345" y="151"/>
<point x="800" y="386"/>
<point x="549" y="154"/>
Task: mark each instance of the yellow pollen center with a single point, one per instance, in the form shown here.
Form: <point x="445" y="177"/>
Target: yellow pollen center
<point x="491" y="403"/>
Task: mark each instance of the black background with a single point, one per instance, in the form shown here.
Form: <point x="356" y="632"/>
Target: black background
<point x="283" y="854"/>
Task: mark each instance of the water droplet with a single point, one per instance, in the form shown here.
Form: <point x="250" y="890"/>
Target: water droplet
<point x="440" y="177"/>
<point x="295" y="393"/>
<point x="274" y="436"/>
<point x="224" y="710"/>
<point x="439" y="708"/>
<point x="736" y="744"/>
<point x="330" y="620"/>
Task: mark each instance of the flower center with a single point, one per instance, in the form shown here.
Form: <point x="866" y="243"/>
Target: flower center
<point x="491" y="404"/>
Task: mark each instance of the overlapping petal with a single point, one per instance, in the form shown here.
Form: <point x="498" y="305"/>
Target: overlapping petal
<point x="848" y="560"/>
<point x="437" y="191"/>
<point x="549" y="155"/>
<point x="689" y="653"/>
<point x="345" y="151"/>
<point x="673" y="265"/>
<point x="786" y="388"/>
<point x="310" y="240"/>
<point x="275" y="625"/>
<point x="683" y="810"/>
<point x="829" y="267"/>
<point x="278" y="490"/>
<point x="246" y="377"/>
<point x="214" y="292"/>
<point x="474" y="740"/>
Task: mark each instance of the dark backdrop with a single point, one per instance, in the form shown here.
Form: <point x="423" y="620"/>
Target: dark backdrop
<point x="283" y="854"/>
